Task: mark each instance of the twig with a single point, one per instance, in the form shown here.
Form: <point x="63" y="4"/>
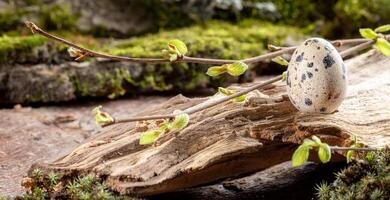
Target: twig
<point x="90" y="53"/>
<point x="337" y="148"/>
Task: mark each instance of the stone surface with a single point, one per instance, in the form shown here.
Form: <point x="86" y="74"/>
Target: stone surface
<point x="29" y="135"/>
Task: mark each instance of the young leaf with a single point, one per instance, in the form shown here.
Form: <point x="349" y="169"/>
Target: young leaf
<point x="349" y="156"/>
<point x="216" y="70"/>
<point x="181" y="121"/>
<point x="284" y="76"/>
<point x="324" y="153"/>
<point x="300" y="156"/>
<point x="368" y="33"/>
<point x="280" y="60"/>
<point x="225" y="91"/>
<point x="383" y="28"/>
<point x="101" y="117"/>
<point x="383" y="46"/>
<point x="149" y="137"/>
<point x="228" y="92"/>
<point x="237" y="68"/>
<point x="240" y="99"/>
<point x="179" y="45"/>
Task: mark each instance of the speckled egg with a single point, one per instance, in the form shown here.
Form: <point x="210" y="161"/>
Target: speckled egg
<point x="316" y="77"/>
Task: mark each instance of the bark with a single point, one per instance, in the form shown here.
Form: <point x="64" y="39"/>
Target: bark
<point x="233" y="139"/>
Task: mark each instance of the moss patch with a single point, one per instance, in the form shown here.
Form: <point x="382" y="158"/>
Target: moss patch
<point x="368" y="179"/>
<point x="18" y="45"/>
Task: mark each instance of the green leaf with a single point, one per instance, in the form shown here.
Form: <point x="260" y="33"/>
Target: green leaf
<point x="324" y="153"/>
<point x="181" y="121"/>
<point x="349" y="156"/>
<point x="284" y="76"/>
<point x="383" y="28"/>
<point x="149" y="137"/>
<point x="237" y="68"/>
<point x="101" y="117"/>
<point x="308" y="142"/>
<point x="300" y="156"/>
<point x="383" y="46"/>
<point x="280" y="60"/>
<point x="216" y="70"/>
<point x="225" y="91"/>
<point x="179" y="45"/>
<point x="240" y="99"/>
<point x="368" y="33"/>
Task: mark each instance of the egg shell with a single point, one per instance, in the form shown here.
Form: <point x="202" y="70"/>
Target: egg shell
<point x="316" y="77"/>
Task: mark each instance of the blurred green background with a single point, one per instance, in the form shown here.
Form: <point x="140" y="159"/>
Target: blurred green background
<point x="35" y="70"/>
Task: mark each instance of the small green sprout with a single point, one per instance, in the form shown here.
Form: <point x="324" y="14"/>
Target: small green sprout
<point x="284" y="75"/>
<point x="102" y="118"/>
<point x="234" y="69"/>
<point x="280" y="60"/>
<point x="176" y="50"/>
<point x="382" y="29"/>
<point x="301" y="155"/>
<point x="381" y="44"/>
<point x="368" y="33"/>
<point x="355" y="144"/>
<point x="180" y="122"/>
<point x="228" y="92"/>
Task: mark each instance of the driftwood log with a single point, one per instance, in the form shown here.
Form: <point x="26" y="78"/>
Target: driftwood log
<point x="233" y="139"/>
<point x="281" y="181"/>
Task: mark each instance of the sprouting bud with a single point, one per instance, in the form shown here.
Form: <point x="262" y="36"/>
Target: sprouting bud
<point x="237" y="68"/>
<point x="75" y="53"/>
<point x="228" y="92"/>
<point x="234" y="69"/>
<point x="149" y="137"/>
<point x="368" y="33"/>
<point x="176" y="50"/>
<point x="280" y="60"/>
<point x="181" y="120"/>
<point x="216" y="70"/>
<point x="102" y="118"/>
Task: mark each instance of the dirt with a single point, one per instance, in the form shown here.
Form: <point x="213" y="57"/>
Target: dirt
<point x="43" y="134"/>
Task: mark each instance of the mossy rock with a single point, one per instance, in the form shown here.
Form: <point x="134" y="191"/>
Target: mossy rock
<point x="94" y="78"/>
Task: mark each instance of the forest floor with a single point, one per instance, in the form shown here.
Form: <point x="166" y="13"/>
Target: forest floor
<point x="43" y="134"/>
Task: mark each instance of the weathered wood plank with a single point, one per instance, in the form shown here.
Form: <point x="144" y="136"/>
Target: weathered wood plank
<point x="232" y="139"/>
<point x="281" y="181"/>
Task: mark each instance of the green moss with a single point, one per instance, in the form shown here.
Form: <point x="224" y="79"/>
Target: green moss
<point x="214" y="39"/>
<point x="368" y="179"/>
<point x="53" y="186"/>
<point x="14" y="45"/>
<point x="57" y="17"/>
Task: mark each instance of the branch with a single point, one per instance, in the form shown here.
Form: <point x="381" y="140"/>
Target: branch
<point x="337" y="148"/>
<point x="90" y="53"/>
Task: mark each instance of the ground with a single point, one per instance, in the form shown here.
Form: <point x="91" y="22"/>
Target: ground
<point x="29" y="135"/>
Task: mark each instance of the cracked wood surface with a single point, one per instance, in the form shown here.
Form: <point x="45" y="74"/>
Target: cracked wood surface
<point x="233" y="139"/>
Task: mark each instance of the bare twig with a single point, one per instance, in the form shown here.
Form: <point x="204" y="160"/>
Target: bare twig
<point x="337" y="148"/>
<point x="90" y="53"/>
